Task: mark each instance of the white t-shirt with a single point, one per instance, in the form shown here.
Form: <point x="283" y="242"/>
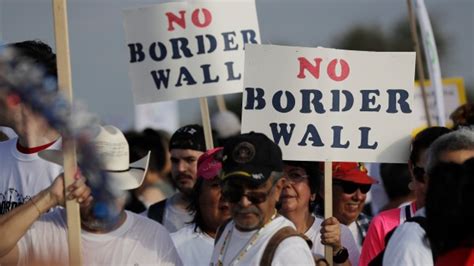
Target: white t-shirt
<point x="138" y="241"/>
<point x="314" y="234"/>
<point x="175" y="218"/>
<point x="408" y="245"/>
<point x="23" y="175"/>
<point x="355" y="234"/>
<point x="292" y="251"/>
<point x="193" y="246"/>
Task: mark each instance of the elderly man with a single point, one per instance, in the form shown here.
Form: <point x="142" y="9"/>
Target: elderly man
<point x="408" y="244"/>
<point x="186" y="145"/>
<point x="23" y="173"/>
<point x="35" y="239"/>
<point x="252" y="170"/>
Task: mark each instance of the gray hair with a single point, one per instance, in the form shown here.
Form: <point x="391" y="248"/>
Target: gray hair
<point x="462" y="139"/>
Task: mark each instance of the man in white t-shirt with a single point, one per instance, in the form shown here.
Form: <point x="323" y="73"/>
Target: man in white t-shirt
<point x="408" y="245"/>
<point x="22" y="173"/>
<point x="123" y="238"/>
<point x="252" y="170"/>
<point x="186" y="145"/>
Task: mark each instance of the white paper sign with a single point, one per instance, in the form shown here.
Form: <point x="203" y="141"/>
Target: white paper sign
<point x="322" y="104"/>
<point x="188" y="49"/>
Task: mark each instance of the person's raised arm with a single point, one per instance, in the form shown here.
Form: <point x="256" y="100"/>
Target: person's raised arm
<point x="14" y="224"/>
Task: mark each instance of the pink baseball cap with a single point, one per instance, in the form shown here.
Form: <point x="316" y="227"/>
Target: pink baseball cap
<point x="210" y="164"/>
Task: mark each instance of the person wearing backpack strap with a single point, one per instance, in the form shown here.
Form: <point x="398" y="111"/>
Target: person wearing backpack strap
<point x="186" y="145"/>
<point x="408" y="245"/>
<point x="252" y="184"/>
<point x="388" y="220"/>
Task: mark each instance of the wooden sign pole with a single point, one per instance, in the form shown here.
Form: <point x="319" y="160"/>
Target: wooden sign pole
<point x="419" y="61"/>
<point x="221" y="103"/>
<point x="328" y="252"/>
<point x="206" y="122"/>
<point x="70" y="165"/>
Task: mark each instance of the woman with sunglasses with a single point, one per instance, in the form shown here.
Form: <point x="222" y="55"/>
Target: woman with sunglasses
<point x="297" y="202"/>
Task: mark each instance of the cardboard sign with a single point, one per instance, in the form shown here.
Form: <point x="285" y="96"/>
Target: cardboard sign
<point x="188" y="49"/>
<point x="323" y="104"/>
<point x="454" y="96"/>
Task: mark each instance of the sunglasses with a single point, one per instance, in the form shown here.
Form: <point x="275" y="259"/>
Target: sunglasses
<point x="419" y="173"/>
<point x="234" y="194"/>
<point x="350" y="187"/>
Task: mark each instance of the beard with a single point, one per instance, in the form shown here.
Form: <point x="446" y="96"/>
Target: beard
<point x="247" y="226"/>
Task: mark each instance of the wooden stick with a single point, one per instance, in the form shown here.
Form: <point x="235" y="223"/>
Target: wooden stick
<point x="221" y="103"/>
<point x="70" y="165"/>
<point x="328" y="204"/>
<point x="206" y="122"/>
<point x="419" y="61"/>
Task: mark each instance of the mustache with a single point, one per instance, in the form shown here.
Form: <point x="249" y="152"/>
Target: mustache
<point x="249" y="210"/>
<point x="183" y="176"/>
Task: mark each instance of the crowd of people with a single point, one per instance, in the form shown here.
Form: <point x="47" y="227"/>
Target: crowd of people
<point x="237" y="204"/>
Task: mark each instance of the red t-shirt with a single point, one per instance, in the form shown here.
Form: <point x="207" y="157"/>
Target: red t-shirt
<point x="459" y="257"/>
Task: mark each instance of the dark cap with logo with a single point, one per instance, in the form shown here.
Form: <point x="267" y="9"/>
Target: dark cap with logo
<point x="188" y="137"/>
<point x="252" y="156"/>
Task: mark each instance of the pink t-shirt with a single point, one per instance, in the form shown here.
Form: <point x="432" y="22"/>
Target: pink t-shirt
<point x="380" y="225"/>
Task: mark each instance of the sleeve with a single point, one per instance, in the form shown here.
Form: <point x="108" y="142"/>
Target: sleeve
<point x="348" y="241"/>
<point x="293" y="251"/>
<point x="406" y="247"/>
<point x="374" y="241"/>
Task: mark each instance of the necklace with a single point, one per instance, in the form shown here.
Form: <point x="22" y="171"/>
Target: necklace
<point x="244" y="249"/>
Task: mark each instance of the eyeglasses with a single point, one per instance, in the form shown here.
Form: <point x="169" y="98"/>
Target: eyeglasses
<point x="419" y="173"/>
<point x="235" y="194"/>
<point x="350" y="187"/>
<point x="296" y="177"/>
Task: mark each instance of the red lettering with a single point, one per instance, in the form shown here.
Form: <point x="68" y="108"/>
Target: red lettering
<point x="207" y="18"/>
<point x="306" y="65"/>
<point x="172" y="18"/>
<point x="332" y="70"/>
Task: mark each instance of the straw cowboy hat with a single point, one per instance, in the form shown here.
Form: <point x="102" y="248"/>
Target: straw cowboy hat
<point x="112" y="149"/>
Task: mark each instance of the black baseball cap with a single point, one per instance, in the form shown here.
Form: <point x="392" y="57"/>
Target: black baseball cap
<point x="252" y="156"/>
<point x="188" y="137"/>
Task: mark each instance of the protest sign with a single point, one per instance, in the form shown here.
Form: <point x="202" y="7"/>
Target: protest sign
<point x="324" y="104"/>
<point x="454" y="96"/>
<point x="188" y="49"/>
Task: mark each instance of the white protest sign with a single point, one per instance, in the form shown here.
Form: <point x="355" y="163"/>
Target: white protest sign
<point x="188" y="49"/>
<point x="454" y="96"/>
<point x="323" y="104"/>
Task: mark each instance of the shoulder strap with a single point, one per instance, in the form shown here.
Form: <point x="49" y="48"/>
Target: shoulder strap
<point x="408" y="211"/>
<point x="220" y="230"/>
<point x="157" y="211"/>
<point x="276" y="239"/>
<point x="422" y="222"/>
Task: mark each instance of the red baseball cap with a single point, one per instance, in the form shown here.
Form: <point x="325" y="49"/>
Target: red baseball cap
<point x="352" y="172"/>
<point x="209" y="164"/>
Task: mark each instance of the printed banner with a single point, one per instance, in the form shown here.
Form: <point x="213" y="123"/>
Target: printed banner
<point x="323" y="104"/>
<point x="188" y="49"/>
